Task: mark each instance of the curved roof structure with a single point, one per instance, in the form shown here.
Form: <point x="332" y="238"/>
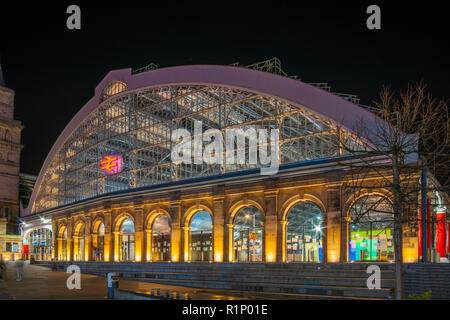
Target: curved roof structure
<point x="132" y="113"/>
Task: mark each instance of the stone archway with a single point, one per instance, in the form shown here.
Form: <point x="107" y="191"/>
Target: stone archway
<point x="158" y="236"/>
<point x="304" y="240"/>
<point x="79" y="244"/>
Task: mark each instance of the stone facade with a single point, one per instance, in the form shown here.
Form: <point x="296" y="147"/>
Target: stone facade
<point x="10" y="148"/>
<point x="272" y="197"/>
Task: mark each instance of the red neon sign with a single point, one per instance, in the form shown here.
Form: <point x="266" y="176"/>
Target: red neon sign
<point x="111" y="164"/>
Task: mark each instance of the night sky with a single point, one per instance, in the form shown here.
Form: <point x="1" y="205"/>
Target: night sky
<point x="54" y="70"/>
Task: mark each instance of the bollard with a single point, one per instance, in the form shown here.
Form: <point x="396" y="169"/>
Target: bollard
<point x="113" y="282"/>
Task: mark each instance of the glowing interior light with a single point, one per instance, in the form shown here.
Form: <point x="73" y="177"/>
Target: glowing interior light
<point x="111" y="164"/>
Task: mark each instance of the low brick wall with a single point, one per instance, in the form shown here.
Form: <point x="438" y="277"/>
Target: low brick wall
<point x="421" y="277"/>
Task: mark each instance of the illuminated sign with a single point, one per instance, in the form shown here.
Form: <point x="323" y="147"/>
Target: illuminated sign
<point x="111" y="164"/>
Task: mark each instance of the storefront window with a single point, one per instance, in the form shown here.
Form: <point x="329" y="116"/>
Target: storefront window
<point x="248" y="235"/>
<point x="201" y="237"/>
<point x="304" y="233"/>
<point x="371" y="230"/>
<point x="98" y="250"/>
<point x="127" y="241"/>
<point x="161" y="239"/>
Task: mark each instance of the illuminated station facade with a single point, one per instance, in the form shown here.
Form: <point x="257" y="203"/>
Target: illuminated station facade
<point x="109" y="189"/>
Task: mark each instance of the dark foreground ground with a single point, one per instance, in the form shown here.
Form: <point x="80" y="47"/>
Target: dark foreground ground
<point x="42" y="283"/>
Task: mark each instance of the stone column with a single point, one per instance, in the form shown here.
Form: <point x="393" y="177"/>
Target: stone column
<point x="345" y="223"/>
<point x="175" y="236"/>
<point x="333" y="245"/>
<point x="55" y="242"/>
<point x="116" y="236"/>
<point x="87" y="241"/>
<point x="139" y="234"/>
<point x="148" y="238"/>
<point x="108" y="248"/>
<point x="281" y="241"/>
<point x="59" y="252"/>
<point x="70" y="250"/>
<point x="218" y="222"/>
<point x="270" y="227"/>
<point x="229" y="245"/>
<point x="185" y="241"/>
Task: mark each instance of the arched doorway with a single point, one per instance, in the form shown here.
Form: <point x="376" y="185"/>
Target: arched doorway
<point x="248" y="235"/>
<point x="161" y="238"/>
<point x="40" y="244"/>
<point x="126" y="240"/>
<point x="304" y="233"/>
<point x="79" y="243"/>
<point x="62" y="245"/>
<point x="98" y="249"/>
<point x="200" y="237"/>
<point x="371" y="230"/>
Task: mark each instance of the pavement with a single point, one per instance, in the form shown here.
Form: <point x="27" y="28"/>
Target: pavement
<point x="40" y="283"/>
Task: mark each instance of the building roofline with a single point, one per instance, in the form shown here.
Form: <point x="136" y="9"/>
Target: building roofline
<point x="325" y="104"/>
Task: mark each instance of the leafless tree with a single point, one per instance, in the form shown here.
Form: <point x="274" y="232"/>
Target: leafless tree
<point x="408" y="129"/>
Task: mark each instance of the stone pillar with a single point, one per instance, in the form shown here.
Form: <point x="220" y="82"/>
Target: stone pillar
<point x="59" y="252"/>
<point x="345" y="223"/>
<point x="229" y="245"/>
<point x="108" y="248"/>
<point x="55" y="242"/>
<point x="70" y="250"/>
<point x="148" y="241"/>
<point x="94" y="244"/>
<point x="87" y="240"/>
<point x="175" y="236"/>
<point x="270" y="227"/>
<point x="116" y="236"/>
<point x="332" y="247"/>
<point x="185" y="242"/>
<point x="218" y="222"/>
<point x="138" y="234"/>
<point x="281" y="241"/>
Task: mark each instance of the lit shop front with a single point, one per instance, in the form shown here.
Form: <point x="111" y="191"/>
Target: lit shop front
<point x="304" y="233"/>
<point x="371" y="230"/>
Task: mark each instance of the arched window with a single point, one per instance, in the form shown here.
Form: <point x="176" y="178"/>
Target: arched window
<point x="126" y="240"/>
<point x="161" y="238"/>
<point x="248" y="235"/>
<point x="113" y="88"/>
<point x="99" y="248"/>
<point x="79" y="253"/>
<point x="304" y="233"/>
<point x="201" y="237"/>
<point x="371" y="230"/>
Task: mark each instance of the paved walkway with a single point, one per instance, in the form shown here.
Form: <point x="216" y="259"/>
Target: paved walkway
<point x="42" y="283"/>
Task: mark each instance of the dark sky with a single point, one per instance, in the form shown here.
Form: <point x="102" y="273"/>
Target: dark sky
<point x="54" y="70"/>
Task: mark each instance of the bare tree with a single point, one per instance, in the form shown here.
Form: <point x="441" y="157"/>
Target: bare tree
<point x="408" y="129"/>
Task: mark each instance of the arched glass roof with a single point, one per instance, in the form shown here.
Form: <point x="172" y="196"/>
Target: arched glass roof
<point x="136" y="126"/>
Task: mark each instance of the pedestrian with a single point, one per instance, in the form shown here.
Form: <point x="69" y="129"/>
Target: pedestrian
<point x="19" y="269"/>
<point x="2" y="270"/>
<point x="53" y="264"/>
<point x="95" y="254"/>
